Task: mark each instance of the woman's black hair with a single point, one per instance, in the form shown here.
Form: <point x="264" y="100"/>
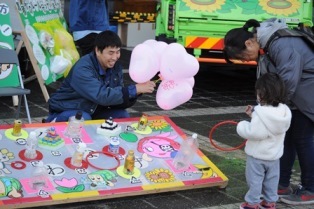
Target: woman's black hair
<point x="271" y="89"/>
<point x="107" y="38"/>
<point x="234" y="41"/>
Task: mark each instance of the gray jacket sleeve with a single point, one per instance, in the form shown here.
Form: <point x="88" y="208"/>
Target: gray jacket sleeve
<point x="284" y="52"/>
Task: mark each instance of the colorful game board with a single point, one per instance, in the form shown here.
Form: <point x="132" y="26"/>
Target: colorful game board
<point x="101" y="174"/>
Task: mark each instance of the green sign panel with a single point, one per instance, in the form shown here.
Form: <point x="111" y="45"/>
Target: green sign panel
<point x="8" y="73"/>
<point x="51" y="44"/>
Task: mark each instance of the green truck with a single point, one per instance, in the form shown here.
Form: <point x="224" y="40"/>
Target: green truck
<point x="200" y="25"/>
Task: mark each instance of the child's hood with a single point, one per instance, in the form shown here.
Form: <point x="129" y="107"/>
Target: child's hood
<point x="276" y="119"/>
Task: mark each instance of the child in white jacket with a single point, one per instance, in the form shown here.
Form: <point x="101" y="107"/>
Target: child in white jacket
<point x="265" y="134"/>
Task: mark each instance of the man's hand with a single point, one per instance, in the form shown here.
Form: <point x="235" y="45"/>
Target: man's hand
<point x="147" y="87"/>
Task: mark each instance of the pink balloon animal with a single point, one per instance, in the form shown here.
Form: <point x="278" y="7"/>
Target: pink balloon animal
<point x="177" y="69"/>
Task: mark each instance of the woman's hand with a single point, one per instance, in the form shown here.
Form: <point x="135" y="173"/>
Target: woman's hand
<point x="147" y="87"/>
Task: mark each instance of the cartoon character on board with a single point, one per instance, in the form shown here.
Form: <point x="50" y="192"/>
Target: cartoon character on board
<point x="10" y="187"/>
<point x="161" y="146"/>
<point x="206" y="171"/>
<point x="102" y="178"/>
<point x="5" y="156"/>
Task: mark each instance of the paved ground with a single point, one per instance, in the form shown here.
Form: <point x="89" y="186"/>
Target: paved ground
<point x="216" y="98"/>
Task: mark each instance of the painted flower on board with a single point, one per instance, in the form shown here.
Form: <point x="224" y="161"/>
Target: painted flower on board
<point x="158" y="124"/>
<point x="66" y="182"/>
<point x="69" y="185"/>
<point x="160" y="176"/>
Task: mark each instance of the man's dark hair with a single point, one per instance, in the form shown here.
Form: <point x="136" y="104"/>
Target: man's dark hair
<point x="271" y="89"/>
<point x="106" y="39"/>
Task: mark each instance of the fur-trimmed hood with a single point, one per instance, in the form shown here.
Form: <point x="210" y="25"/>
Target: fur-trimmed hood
<point x="267" y="28"/>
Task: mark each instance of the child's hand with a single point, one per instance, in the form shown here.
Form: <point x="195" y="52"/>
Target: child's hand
<point x="249" y="110"/>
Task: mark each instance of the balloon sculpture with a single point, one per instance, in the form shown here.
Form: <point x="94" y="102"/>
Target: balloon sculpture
<point x="177" y="69"/>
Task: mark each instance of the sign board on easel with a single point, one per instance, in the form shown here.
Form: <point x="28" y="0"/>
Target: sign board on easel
<point x="8" y="73"/>
<point x="50" y="47"/>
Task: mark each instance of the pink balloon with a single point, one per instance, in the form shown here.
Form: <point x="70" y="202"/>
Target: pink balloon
<point x="172" y="93"/>
<point x="143" y="64"/>
<point x="150" y="42"/>
<point x="158" y="47"/>
<point x="191" y="81"/>
<point x="176" y="63"/>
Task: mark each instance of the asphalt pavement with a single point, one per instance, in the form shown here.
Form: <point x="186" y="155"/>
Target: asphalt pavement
<point x="218" y="96"/>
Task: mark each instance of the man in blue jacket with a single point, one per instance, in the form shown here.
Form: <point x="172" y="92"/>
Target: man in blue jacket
<point x="86" y="20"/>
<point x="94" y="85"/>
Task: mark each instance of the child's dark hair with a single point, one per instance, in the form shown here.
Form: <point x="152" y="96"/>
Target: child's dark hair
<point x="107" y="38"/>
<point x="271" y="89"/>
<point x="234" y="41"/>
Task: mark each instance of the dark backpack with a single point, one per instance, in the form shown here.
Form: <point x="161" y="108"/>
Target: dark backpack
<point x="304" y="32"/>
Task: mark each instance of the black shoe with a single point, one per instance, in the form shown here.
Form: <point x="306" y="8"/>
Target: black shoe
<point x="299" y="197"/>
